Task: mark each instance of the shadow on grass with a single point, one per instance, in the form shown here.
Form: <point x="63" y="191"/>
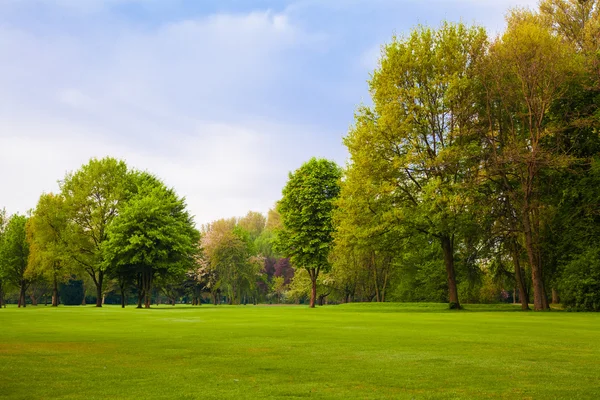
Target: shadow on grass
<point x="427" y="307"/>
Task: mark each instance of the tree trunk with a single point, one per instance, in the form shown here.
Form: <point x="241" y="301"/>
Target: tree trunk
<point x="539" y="294"/>
<point x="313" y="292"/>
<point x="448" y="249"/>
<point x="99" y="289"/>
<point x="55" y="293"/>
<point x="375" y="276"/>
<point x="2" y="296"/>
<point x="33" y="299"/>
<point x="519" y="277"/>
<point x="22" y="301"/>
<point x="555" y="297"/>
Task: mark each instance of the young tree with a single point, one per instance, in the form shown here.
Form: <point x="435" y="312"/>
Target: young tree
<point x="306" y="210"/>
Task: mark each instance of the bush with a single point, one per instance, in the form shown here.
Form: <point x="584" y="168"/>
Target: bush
<point x="580" y="283"/>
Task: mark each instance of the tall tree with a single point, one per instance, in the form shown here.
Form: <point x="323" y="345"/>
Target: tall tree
<point x="14" y="255"/>
<point x="93" y="195"/>
<point x="415" y="150"/>
<point x="306" y="210"/>
<point x="526" y="71"/>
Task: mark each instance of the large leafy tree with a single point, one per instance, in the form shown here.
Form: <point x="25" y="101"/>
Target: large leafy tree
<point x="415" y="150"/>
<point x="153" y="234"/>
<point x="306" y="209"/>
<point x="14" y="255"/>
<point x="93" y="196"/>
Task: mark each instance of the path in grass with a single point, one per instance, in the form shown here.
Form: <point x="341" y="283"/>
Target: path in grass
<point x="346" y="351"/>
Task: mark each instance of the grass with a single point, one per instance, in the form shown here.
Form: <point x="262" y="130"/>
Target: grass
<point x="349" y="351"/>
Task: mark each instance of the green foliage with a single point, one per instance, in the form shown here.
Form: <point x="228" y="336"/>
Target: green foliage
<point x="45" y="231"/>
<point x="306" y="212"/>
<point x="14" y="252"/>
<point x="580" y="284"/>
<point x="153" y="229"/>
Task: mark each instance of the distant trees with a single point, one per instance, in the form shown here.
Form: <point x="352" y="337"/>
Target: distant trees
<point x="306" y="210"/>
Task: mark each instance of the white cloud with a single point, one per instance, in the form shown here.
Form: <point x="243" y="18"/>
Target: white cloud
<point x="170" y="100"/>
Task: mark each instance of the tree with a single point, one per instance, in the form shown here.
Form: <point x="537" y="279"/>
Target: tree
<point x="254" y="223"/>
<point x="93" y="196"/>
<point x="306" y="210"/>
<point x="14" y="255"/>
<point x="416" y="150"/>
<point x="527" y="70"/>
<point x="45" y="232"/>
<point x="153" y="234"/>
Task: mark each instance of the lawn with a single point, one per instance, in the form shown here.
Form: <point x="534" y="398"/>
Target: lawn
<point x="346" y="351"/>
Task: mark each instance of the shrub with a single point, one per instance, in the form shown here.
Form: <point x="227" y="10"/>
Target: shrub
<point x="580" y="283"/>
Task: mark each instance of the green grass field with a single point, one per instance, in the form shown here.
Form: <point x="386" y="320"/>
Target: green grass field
<point x="347" y="351"/>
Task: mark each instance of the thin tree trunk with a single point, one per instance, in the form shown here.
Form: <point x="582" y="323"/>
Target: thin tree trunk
<point x="539" y="294"/>
<point x="375" y="276"/>
<point x="22" y="301"/>
<point x="313" y="292"/>
<point x="520" y="278"/>
<point x="55" y="292"/>
<point x="147" y="279"/>
<point x="99" y="289"/>
<point x="448" y="250"/>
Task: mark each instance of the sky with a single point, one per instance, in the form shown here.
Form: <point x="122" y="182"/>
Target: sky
<point x="221" y="99"/>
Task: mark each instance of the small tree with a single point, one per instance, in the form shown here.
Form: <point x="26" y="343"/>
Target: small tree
<point x="306" y="212"/>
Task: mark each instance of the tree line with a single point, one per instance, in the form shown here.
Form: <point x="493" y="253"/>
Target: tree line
<point x="474" y="176"/>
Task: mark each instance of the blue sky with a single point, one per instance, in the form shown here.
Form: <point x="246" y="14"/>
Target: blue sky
<point x="220" y="99"/>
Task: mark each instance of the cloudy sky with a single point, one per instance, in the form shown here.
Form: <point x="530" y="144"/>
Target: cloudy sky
<point x="220" y="99"/>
